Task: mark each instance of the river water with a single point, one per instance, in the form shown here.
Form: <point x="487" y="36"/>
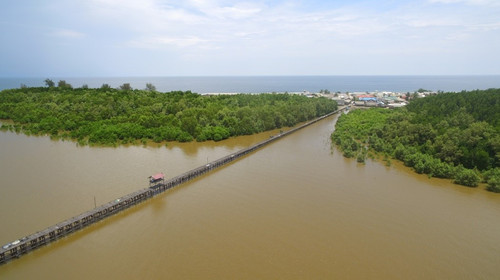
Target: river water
<point x="295" y="209"/>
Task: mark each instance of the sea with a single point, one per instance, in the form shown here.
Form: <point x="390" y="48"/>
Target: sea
<point x="263" y="84"/>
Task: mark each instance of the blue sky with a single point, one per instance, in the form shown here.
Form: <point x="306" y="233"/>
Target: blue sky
<point x="82" y="38"/>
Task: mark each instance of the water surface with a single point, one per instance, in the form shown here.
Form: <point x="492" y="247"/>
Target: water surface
<point x="258" y="84"/>
<point x="292" y="210"/>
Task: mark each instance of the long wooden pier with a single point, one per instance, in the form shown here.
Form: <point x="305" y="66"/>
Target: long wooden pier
<point x="31" y="242"/>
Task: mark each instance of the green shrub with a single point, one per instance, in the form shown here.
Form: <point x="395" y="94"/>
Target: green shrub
<point x="492" y="178"/>
<point x="467" y="177"/>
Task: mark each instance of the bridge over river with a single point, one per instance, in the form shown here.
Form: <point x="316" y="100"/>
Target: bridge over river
<point x="31" y="242"/>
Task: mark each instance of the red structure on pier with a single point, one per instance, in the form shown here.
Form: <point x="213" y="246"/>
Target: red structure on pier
<point x="156" y="180"/>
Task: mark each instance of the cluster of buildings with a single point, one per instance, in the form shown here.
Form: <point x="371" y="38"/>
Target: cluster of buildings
<point x="386" y="99"/>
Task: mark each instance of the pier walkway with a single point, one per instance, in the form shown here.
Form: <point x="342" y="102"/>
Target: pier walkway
<point x="31" y="242"/>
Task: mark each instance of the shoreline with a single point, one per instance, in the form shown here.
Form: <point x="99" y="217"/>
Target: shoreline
<point x="279" y="83"/>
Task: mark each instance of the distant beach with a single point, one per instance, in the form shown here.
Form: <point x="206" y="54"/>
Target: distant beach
<point x="259" y="84"/>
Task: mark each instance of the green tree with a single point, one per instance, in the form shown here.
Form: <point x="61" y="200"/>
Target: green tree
<point x="126" y="86"/>
<point x="63" y="84"/>
<point x="467" y="177"/>
<point x="108" y="116"/>
<point x="49" y="83"/>
<point x="494" y="184"/>
<point x="433" y="135"/>
<point x="150" y="87"/>
<point x="189" y="125"/>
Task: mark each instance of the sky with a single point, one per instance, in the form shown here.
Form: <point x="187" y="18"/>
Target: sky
<point x="105" y="38"/>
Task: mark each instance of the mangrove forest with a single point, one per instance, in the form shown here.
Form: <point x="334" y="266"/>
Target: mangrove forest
<point x="452" y="135"/>
<point x="107" y="116"/>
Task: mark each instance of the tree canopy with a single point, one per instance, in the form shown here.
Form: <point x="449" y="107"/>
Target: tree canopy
<point x="107" y="116"/>
<point x="450" y="135"/>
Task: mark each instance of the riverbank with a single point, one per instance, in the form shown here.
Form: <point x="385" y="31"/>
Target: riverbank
<point x="451" y="135"/>
<point x="111" y="117"/>
<point x="292" y="210"/>
<point x="29" y="243"/>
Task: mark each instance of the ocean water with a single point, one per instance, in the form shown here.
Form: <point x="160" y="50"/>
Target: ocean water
<point x="259" y="84"/>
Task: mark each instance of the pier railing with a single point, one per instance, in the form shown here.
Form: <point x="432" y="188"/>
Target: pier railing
<point x="31" y="242"/>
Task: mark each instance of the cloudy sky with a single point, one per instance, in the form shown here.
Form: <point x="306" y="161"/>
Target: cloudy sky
<point x="81" y="38"/>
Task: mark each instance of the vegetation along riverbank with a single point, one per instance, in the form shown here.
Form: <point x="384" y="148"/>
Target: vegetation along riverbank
<point x="449" y="135"/>
<point x="107" y="116"/>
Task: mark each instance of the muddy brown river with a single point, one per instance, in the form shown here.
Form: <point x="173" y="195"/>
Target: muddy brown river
<point x="295" y="209"/>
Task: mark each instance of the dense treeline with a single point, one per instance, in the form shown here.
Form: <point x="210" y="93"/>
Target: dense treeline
<point x="109" y="116"/>
<point x="479" y="105"/>
<point x="450" y="135"/>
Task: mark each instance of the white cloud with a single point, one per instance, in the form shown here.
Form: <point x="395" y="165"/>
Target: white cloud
<point x="486" y="26"/>
<point x="469" y="2"/>
<point x="66" y="33"/>
<point x="247" y="28"/>
<point x="144" y="15"/>
<point x="236" y="12"/>
<point x="227" y="34"/>
<point x="425" y="22"/>
<point x="162" y="41"/>
<point x="219" y="9"/>
<point x="228" y="22"/>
